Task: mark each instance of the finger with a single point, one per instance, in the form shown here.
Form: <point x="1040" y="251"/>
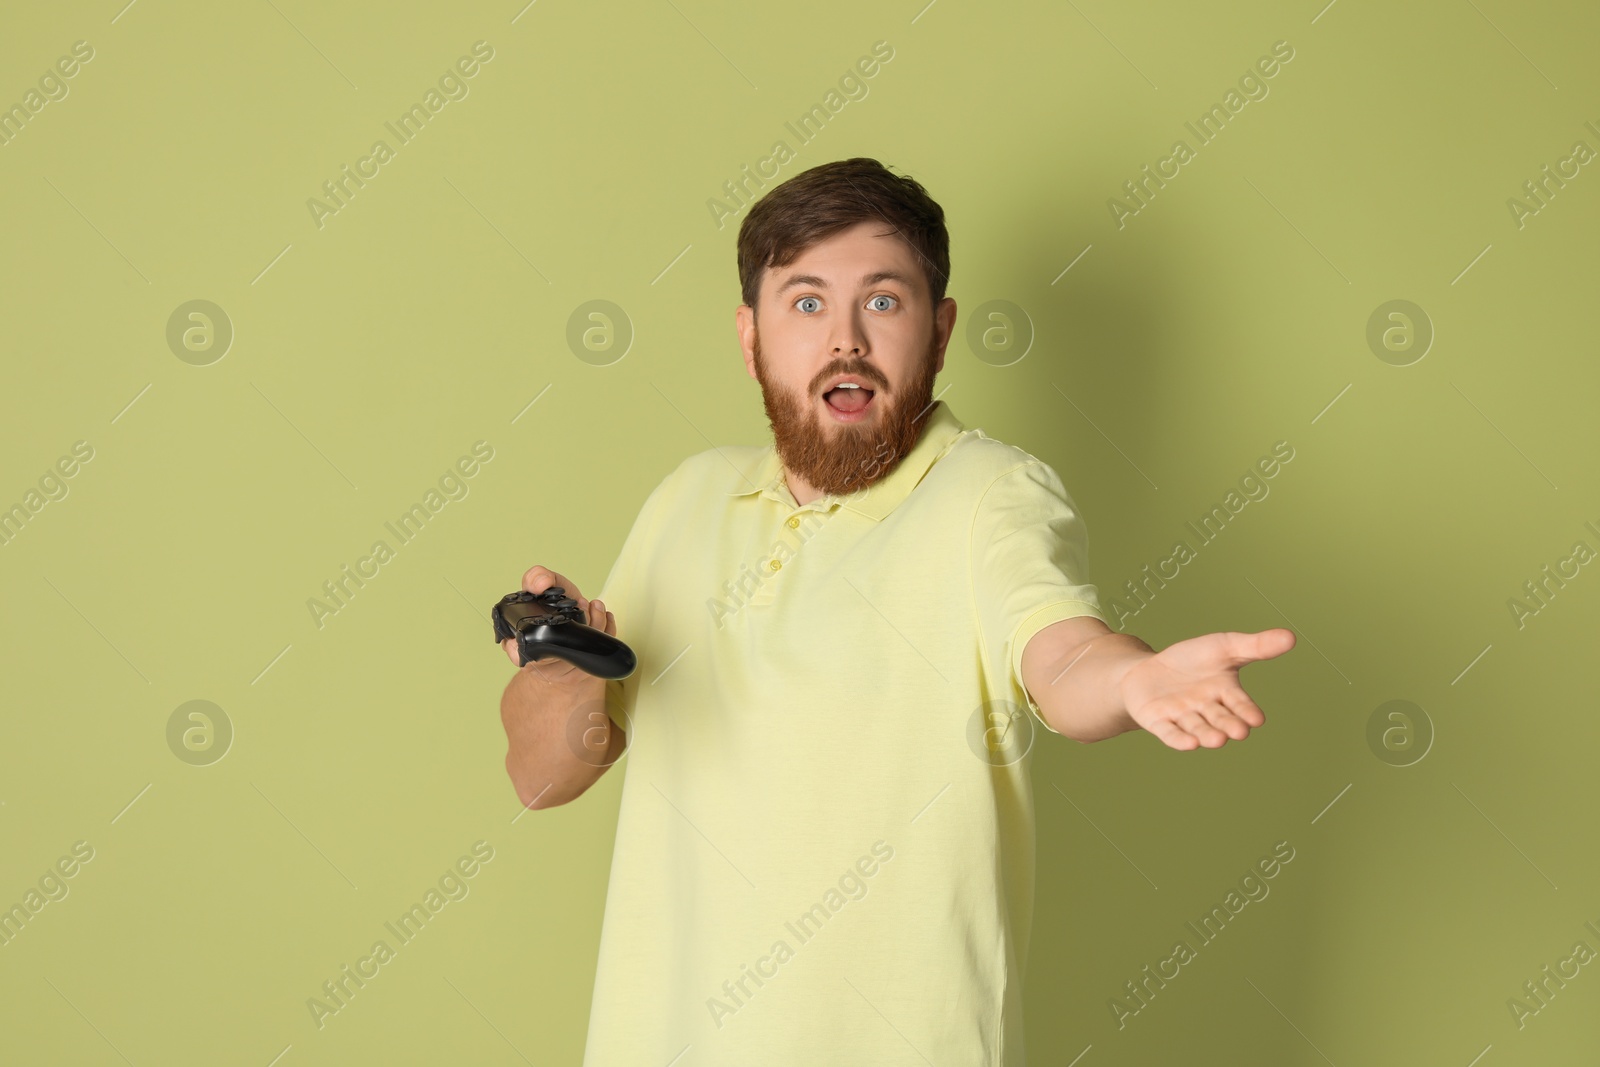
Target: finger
<point x="1197" y="725"/>
<point x="1265" y="644"/>
<point x="510" y="645"/>
<point x="538" y="579"/>
<point x="1223" y="718"/>
<point x="1239" y="702"/>
<point x="611" y="624"/>
<point x="596" y="614"/>
<point x="1173" y="736"/>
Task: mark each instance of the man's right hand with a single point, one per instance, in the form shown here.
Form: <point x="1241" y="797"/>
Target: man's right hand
<point x="559" y="736"/>
<point x="551" y="669"/>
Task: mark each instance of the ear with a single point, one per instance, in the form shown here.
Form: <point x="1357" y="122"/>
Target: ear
<point x="944" y="324"/>
<point x="744" y="320"/>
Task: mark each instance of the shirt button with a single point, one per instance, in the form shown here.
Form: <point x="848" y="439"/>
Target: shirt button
<point x="775" y="564"/>
<point x="794" y="523"/>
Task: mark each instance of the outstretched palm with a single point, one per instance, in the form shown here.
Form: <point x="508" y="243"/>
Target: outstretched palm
<point x="1189" y="695"/>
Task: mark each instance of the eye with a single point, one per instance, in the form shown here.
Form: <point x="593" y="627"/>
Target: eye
<point x="805" y="300"/>
<point x="881" y="296"/>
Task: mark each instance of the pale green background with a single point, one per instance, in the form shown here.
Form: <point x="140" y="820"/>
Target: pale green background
<point x="1226" y="316"/>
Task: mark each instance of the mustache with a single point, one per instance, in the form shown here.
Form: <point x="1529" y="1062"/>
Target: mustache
<point x="865" y="371"/>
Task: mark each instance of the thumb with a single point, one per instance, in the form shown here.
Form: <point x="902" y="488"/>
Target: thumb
<point x="1264" y="644"/>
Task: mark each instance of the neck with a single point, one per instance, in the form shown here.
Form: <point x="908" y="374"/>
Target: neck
<point x="804" y="492"/>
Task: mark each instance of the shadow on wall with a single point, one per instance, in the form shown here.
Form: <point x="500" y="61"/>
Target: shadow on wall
<point x="1093" y="397"/>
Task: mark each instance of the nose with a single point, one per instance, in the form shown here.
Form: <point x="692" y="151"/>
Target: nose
<point x="849" y="340"/>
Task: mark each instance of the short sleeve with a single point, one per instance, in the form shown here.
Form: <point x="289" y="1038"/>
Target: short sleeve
<point x="626" y="594"/>
<point x="621" y="592"/>
<point x="1030" y="568"/>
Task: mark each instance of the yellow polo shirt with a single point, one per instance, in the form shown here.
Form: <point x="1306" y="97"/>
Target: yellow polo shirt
<point x="825" y="849"/>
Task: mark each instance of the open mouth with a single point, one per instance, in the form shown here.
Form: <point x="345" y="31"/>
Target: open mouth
<point x="848" y="402"/>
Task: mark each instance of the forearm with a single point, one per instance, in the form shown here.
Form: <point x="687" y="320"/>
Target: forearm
<point x="544" y="741"/>
<point x="1084" y="699"/>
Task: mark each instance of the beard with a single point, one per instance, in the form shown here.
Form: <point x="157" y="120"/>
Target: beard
<point x="847" y="457"/>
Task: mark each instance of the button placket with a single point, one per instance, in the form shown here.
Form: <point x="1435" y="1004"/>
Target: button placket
<point x="773" y="565"/>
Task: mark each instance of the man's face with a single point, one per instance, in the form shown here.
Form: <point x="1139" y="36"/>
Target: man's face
<point x="853" y="308"/>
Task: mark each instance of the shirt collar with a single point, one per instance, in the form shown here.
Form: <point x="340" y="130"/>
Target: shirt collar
<point x="940" y="428"/>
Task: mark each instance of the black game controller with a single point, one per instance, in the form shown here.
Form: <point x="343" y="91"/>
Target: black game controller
<point x="551" y="624"/>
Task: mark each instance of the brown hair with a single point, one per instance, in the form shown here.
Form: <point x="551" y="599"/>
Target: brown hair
<point x="818" y="203"/>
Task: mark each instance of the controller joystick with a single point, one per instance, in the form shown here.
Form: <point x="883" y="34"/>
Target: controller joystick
<point x="551" y="624"/>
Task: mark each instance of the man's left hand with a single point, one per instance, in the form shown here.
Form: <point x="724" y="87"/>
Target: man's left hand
<point x="1189" y="695"/>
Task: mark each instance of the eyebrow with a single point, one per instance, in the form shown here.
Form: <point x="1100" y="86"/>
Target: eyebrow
<point x="871" y="279"/>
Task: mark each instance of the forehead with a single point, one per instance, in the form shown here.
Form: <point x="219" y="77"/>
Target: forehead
<point x="866" y="250"/>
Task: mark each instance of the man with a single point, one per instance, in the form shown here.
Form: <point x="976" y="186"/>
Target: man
<point x="824" y="853"/>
